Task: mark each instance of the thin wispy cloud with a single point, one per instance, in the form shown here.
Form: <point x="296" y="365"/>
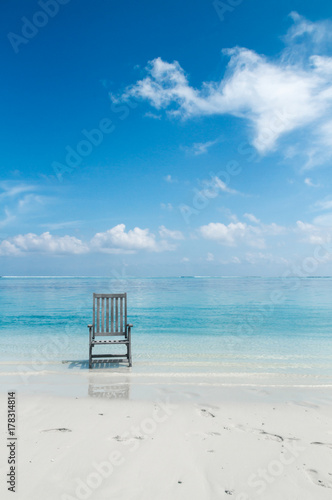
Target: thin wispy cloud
<point x="12" y="190"/>
<point x="17" y="200"/>
<point x="168" y="178"/>
<point x="172" y="234"/>
<point x="275" y="96"/>
<point x="251" y="218"/>
<point x="8" y="218"/>
<point x="200" y="148"/>
<point x="325" y="204"/>
<point x="167" y="206"/>
<point x="53" y="226"/>
<point x="154" y="116"/>
<point x="310" y="183"/>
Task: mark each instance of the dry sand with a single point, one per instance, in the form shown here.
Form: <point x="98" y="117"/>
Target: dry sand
<point x="123" y="437"/>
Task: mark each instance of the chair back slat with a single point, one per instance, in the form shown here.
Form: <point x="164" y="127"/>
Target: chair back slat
<point x="102" y="314"/>
<point x="121" y="314"/>
<point x="116" y="316"/>
<point x="98" y="314"/>
<point x="109" y="314"/>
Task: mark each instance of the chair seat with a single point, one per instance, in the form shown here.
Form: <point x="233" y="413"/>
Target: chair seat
<point x="110" y="341"/>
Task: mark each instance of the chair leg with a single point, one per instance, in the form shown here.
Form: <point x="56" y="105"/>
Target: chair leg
<point x="129" y="354"/>
<point x="90" y="357"/>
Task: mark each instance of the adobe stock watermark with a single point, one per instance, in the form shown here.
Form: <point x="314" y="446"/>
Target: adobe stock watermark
<point x="92" y="139"/>
<point x="30" y="27"/>
<point x="262" y="478"/>
<point x="74" y="157"/>
<point x="52" y="347"/>
<point x="132" y="440"/>
<point x="219" y="183"/>
<point x="292" y="279"/>
<point x="214" y="187"/>
<point x="224" y="7"/>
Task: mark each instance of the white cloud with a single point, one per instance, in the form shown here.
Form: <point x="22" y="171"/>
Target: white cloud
<point x="199" y="148"/>
<point x="7" y="248"/>
<point x="325" y="204"/>
<point x="274" y="96"/>
<point x="167" y="233"/>
<point x="323" y="220"/>
<point x="223" y="186"/>
<point x="9" y="218"/>
<point x="232" y="260"/>
<point x="235" y="233"/>
<point x="309" y="182"/>
<point x="61" y="225"/>
<point x="313" y="234"/>
<point x="117" y="240"/>
<point x="169" y="178"/>
<point x="212" y="188"/>
<point x="252" y="218"/>
<point x="210" y="257"/>
<point x="10" y="190"/>
<point x="167" y="206"/>
<point x="256" y="258"/>
<point x="45" y="243"/>
<point x="232" y="234"/>
<point x="152" y="115"/>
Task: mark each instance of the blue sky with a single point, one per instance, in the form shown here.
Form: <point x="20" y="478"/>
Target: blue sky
<point x="162" y="139"/>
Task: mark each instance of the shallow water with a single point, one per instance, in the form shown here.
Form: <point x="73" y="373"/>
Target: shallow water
<point x="232" y="325"/>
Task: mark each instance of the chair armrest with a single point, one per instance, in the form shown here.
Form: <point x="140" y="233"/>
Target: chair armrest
<point x="130" y="326"/>
<point x="90" y="326"/>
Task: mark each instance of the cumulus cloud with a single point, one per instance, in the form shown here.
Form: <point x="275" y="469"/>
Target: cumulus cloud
<point x="314" y="234"/>
<point x="114" y="240"/>
<point x="232" y="234"/>
<point x="235" y="233"/>
<point x="275" y="96"/>
<point x="44" y="243"/>
<point x="117" y="240"/>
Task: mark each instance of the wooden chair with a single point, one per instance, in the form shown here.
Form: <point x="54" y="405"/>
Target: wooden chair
<point x="109" y="321"/>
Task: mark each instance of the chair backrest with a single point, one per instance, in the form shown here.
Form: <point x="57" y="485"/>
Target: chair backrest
<point x="109" y="313"/>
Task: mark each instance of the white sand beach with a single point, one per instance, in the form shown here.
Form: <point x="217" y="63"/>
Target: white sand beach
<point x="128" y="436"/>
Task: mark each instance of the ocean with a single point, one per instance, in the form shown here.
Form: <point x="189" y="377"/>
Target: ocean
<point x="181" y="324"/>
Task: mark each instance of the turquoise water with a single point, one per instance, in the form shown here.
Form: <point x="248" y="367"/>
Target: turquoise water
<point x="238" y="325"/>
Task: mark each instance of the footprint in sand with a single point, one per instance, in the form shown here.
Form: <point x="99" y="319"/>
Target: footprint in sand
<point x="61" y="429"/>
<point x="205" y="413"/>
<point x="318" y="479"/>
<point x="329" y="445"/>
<point x="267" y="435"/>
<point x="305" y="404"/>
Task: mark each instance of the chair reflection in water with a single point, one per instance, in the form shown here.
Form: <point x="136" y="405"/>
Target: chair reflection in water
<point x="110" y="323"/>
<point x="99" y="389"/>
